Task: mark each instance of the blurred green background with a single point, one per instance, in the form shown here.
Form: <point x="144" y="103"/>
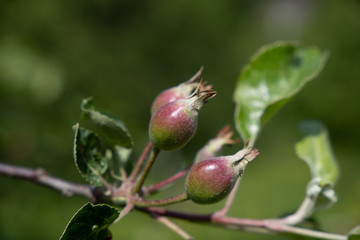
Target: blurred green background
<point x="123" y="53"/>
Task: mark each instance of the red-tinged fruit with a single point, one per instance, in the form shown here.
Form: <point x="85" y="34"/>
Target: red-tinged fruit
<point x="171" y="95"/>
<point x="175" y="123"/>
<point x="211" y="180"/>
<point x="181" y="91"/>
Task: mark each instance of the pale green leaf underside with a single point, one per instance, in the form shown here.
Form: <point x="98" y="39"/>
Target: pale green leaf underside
<point x="91" y="222"/>
<point x="273" y="75"/>
<point x="354" y="234"/>
<point x="110" y="127"/>
<point x="315" y="149"/>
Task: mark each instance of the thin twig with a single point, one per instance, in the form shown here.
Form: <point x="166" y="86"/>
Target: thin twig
<point x="127" y="209"/>
<point x="230" y="199"/>
<point x="250" y="225"/>
<point x="180" y="215"/>
<point x="140" y="202"/>
<point x="40" y="176"/>
<point x="140" y="161"/>
<point x="310" y="233"/>
<point x="139" y="182"/>
<point x="173" y="226"/>
<point x="302" y="213"/>
<point x="157" y="186"/>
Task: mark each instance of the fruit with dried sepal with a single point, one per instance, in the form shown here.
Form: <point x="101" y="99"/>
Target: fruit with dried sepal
<point x="211" y="180"/>
<point x="175" y="123"/>
<point x="180" y="91"/>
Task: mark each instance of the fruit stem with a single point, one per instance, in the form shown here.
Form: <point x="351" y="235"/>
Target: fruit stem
<point x="172" y="226"/>
<point x="139" y="202"/>
<point x="140" y="161"/>
<point x="157" y="186"/>
<point x="140" y="180"/>
<point x="229" y="200"/>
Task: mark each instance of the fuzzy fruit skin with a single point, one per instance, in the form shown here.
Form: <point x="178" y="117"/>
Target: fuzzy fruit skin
<point x="172" y="126"/>
<point x="167" y="96"/>
<point x="180" y="91"/>
<point x="211" y="180"/>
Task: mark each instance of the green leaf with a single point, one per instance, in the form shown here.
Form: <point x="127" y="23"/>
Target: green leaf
<point x="119" y="159"/>
<point x="354" y="234"/>
<point x="122" y="154"/>
<point x="315" y="149"/>
<point x="91" y="222"/>
<point x="274" y="74"/>
<point x="88" y="155"/>
<point x="110" y="127"/>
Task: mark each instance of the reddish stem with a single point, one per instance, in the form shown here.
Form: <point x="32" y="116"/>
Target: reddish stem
<point x="145" y="171"/>
<point x="173" y="227"/>
<point x="180" y="215"/>
<point x="161" y="202"/>
<point x="140" y="162"/>
<point x="157" y="186"/>
<point x="229" y="200"/>
<point x="40" y="176"/>
<point x="252" y="225"/>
